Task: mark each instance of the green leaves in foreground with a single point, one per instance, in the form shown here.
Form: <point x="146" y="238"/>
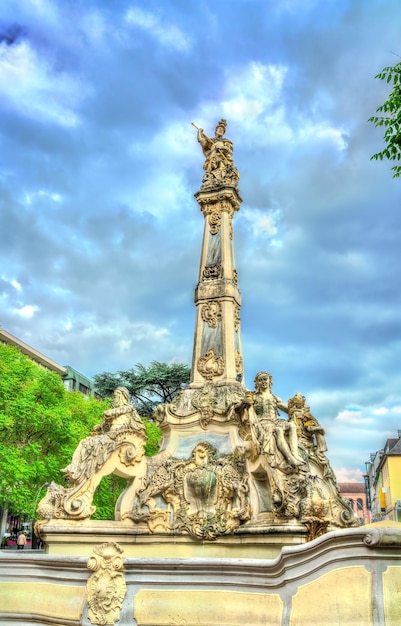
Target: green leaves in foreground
<point x="391" y="118"/>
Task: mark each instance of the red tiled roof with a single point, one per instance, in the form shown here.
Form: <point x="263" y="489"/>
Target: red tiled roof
<point x="352" y="487"/>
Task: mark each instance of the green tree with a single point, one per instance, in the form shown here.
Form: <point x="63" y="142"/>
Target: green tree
<point x="41" y="424"/>
<point x="149" y="386"/>
<point x="390" y="118"/>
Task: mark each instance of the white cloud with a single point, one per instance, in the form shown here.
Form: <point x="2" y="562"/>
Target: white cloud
<point x="255" y="98"/>
<point x="323" y="132"/>
<point x="346" y="475"/>
<point x="14" y="283"/>
<point x="33" y="87"/>
<point x="353" y="417"/>
<point x="42" y="194"/>
<point x="264" y="223"/>
<point x="26" y="311"/>
<point x="164" y="199"/>
<point x="381" y="411"/>
<point x="167" y="33"/>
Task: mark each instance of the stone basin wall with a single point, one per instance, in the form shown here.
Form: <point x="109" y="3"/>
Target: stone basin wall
<point x="347" y="577"/>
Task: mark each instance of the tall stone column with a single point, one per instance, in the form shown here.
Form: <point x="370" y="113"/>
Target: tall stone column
<point x="217" y="352"/>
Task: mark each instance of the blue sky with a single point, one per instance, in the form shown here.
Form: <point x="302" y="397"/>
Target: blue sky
<point x="100" y="233"/>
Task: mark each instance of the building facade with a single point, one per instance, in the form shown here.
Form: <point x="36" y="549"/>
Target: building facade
<point x="383" y="481"/>
<point x="73" y="380"/>
<point x="355" y="493"/>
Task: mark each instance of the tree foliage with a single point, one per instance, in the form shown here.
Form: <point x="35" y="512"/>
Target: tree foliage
<point x="390" y="118"/>
<point x="41" y="424"/>
<point x="149" y="386"/>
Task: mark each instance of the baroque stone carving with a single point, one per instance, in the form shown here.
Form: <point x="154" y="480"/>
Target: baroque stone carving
<point x="205" y="495"/>
<point x="227" y="200"/>
<point x="212" y="272"/>
<point x="116" y="445"/>
<point x="205" y="401"/>
<point x="219" y="163"/>
<point x="310" y="432"/>
<point x="277" y="438"/>
<point x="214" y="222"/>
<point x="210" y="365"/>
<point x="239" y="368"/>
<point x="211" y="313"/>
<point x="291" y="473"/>
<point x="237" y="317"/>
<point x="209" y="401"/>
<point x="276" y="472"/>
<point x="106" y="587"/>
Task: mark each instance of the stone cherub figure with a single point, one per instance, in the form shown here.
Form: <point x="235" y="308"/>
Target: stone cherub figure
<point x="219" y="163"/>
<point x="310" y="432"/>
<point x="274" y="436"/>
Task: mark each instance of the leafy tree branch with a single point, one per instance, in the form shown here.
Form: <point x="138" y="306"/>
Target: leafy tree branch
<point x="390" y="118"/>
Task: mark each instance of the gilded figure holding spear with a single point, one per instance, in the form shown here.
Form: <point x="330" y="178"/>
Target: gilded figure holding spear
<point x="219" y="164"/>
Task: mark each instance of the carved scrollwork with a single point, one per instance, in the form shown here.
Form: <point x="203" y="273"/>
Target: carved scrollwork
<point x="383" y="538"/>
<point x="211" y="313"/>
<point x="205" y="401"/>
<point x="225" y="200"/>
<point x="106" y="588"/>
<point x="206" y="495"/>
<point x="214" y="222"/>
<point x="212" y="272"/>
<point x="116" y="445"/>
<point x="210" y="366"/>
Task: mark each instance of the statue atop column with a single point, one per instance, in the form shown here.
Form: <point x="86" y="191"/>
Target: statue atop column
<point x="232" y="461"/>
<point x="219" y="163"/>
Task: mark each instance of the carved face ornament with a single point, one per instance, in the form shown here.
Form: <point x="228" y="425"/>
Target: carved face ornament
<point x="263" y="381"/>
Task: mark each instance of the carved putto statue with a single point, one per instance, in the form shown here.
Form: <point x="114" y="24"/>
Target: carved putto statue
<point x="219" y="163"/>
<point x="310" y="432"/>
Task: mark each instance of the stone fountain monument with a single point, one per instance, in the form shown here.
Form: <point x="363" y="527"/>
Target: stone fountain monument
<point x="237" y="520"/>
<point x="239" y="473"/>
